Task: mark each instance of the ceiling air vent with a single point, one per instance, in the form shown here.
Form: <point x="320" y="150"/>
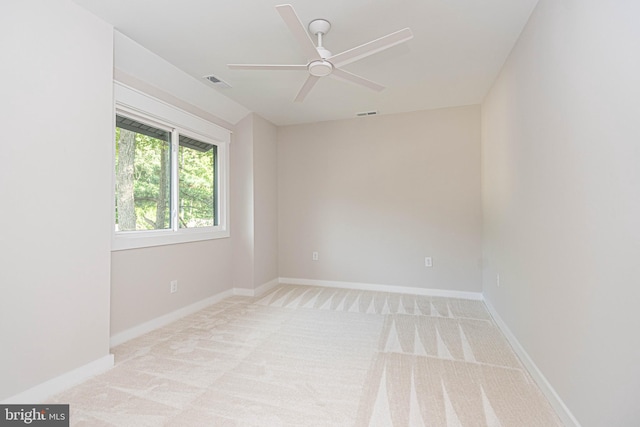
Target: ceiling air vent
<point x="367" y="113"/>
<point x="216" y="81"/>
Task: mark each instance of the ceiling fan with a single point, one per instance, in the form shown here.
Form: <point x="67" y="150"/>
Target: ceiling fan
<point x="321" y="61"/>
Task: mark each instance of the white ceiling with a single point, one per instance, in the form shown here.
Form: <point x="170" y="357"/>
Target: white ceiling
<point x="457" y="51"/>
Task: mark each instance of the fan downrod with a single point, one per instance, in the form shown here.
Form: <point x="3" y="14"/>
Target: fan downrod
<point x="320" y="68"/>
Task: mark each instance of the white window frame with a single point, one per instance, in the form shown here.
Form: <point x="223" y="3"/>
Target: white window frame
<point x="137" y="105"/>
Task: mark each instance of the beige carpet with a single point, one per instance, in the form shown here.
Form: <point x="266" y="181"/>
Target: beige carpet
<point x="310" y="356"/>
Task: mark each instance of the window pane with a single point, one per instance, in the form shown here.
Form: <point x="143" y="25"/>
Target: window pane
<point x="196" y="176"/>
<point x="143" y="176"/>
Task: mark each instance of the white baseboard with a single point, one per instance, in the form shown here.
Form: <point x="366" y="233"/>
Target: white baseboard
<point x="164" y="320"/>
<point x="383" y="288"/>
<point x="265" y="287"/>
<point x="554" y="399"/>
<point x="43" y="391"/>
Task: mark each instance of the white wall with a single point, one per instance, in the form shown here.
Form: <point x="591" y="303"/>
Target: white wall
<point x="55" y="185"/>
<point x="561" y="180"/>
<point x="254" y="206"/>
<point x="265" y="185"/>
<point x="242" y="229"/>
<point x="140" y="279"/>
<point x="375" y="195"/>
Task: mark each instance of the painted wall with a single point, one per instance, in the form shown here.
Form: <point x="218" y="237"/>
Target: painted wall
<point x="375" y="195"/>
<point x="561" y="150"/>
<point x="254" y="203"/>
<point x="242" y="230"/>
<point x="265" y="185"/>
<point x="140" y="279"/>
<point x="56" y="108"/>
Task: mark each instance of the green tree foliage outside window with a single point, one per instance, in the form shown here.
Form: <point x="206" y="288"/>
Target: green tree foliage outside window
<point x="196" y="182"/>
<point x="143" y="179"/>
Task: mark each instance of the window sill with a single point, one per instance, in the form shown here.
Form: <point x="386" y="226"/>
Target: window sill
<point x="146" y="239"/>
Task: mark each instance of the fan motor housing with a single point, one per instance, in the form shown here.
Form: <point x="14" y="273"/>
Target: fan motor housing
<point x="320" y="68"/>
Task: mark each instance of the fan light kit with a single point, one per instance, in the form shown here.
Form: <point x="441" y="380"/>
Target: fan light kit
<point x="321" y="62"/>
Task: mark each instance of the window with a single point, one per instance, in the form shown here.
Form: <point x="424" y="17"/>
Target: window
<point x="143" y="168"/>
<point x="170" y="177"/>
<point x="196" y="181"/>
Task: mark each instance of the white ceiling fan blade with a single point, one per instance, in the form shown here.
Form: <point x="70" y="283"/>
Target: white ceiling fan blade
<point x="375" y="46"/>
<point x="306" y="88"/>
<point x="268" y="67"/>
<point x="299" y="31"/>
<point x="352" y="78"/>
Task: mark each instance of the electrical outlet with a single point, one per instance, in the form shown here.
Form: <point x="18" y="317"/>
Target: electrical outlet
<point x="428" y="262"/>
<point x="314" y="256"/>
<point x="174" y="286"/>
<point x="498" y="280"/>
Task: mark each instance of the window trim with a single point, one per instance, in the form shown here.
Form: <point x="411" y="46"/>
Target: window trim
<point x="140" y="106"/>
